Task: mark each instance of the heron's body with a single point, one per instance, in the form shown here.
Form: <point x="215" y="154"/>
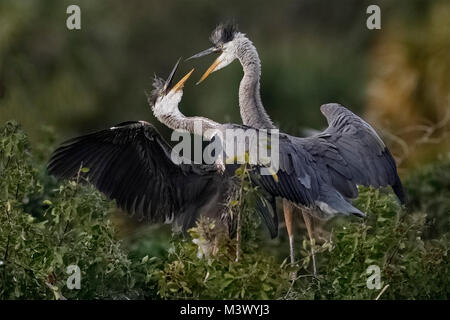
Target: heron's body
<point x="347" y="153"/>
<point x="319" y="172"/>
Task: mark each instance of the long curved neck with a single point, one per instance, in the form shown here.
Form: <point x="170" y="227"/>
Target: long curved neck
<point x="252" y="110"/>
<point x="194" y="125"/>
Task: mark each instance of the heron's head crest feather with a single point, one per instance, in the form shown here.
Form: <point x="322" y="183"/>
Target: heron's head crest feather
<point x="158" y="89"/>
<point x="224" y="33"/>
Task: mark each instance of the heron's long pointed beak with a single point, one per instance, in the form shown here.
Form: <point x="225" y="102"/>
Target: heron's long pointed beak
<point x="203" y="53"/>
<point x="170" y="77"/>
<point x="180" y="83"/>
<point x="210" y="70"/>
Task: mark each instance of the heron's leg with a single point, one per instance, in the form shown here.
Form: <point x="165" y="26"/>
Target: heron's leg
<point x="288" y="210"/>
<point x="309" y="226"/>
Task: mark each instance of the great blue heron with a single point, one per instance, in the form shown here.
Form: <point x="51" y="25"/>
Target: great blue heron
<point x="312" y="171"/>
<point x="132" y="164"/>
<point x="299" y="178"/>
<point x="348" y="152"/>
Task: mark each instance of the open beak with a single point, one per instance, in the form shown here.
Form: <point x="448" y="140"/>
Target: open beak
<point x="168" y="83"/>
<point x="210" y="70"/>
<point x="212" y="67"/>
<point x="180" y="83"/>
<point x="203" y="53"/>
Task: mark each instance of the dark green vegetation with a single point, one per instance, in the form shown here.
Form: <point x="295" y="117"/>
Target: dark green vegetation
<point x="312" y="52"/>
<point x="46" y="226"/>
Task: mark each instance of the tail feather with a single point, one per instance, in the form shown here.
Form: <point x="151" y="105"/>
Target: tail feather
<point x="331" y="203"/>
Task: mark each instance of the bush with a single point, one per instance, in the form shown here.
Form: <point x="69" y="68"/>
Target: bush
<point x="218" y="264"/>
<point x="189" y="274"/>
<point x="390" y="238"/>
<point x="428" y="188"/>
<point x="67" y="226"/>
<point x="46" y="226"/>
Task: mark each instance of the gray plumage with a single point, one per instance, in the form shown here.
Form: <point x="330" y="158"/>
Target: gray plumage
<point x="316" y="172"/>
<point x="329" y="164"/>
<point x="252" y="110"/>
<point x="349" y="152"/>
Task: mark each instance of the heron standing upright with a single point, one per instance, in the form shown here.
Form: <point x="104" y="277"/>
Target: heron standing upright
<point x="349" y="150"/>
<point x="298" y="178"/>
<point x="312" y="171"/>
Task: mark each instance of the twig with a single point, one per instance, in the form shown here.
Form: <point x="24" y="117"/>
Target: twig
<point x="55" y="290"/>
<point x="296" y="278"/>
<point x="382" y="291"/>
<point x="426" y="133"/>
<point x="238" y="236"/>
<point x="6" y="257"/>
<point x="238" y="228"/>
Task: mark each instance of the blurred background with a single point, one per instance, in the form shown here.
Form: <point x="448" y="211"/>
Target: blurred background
<point x="313" y="52"/>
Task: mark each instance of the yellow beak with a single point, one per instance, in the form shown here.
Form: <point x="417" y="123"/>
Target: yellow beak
<point x="180" y="83"/>
<point x="209" y="71"/>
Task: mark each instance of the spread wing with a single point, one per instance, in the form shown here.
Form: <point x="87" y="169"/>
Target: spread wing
<point x="354" y="153"/>
<point x="131" y="164"/>
<point x="324" y="170"/>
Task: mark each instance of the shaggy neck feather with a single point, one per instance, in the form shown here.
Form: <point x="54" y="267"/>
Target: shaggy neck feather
<point x="252" y="110"/>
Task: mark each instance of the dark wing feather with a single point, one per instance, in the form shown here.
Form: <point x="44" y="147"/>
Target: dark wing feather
<point x="324" y="170"/>
<point x="302" y="177"/>
<point x="131" y="163"/>
<point x="295" y="180"/>
<point x="363" y="157"/>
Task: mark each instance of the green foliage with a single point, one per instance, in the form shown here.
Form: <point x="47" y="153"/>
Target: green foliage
<point x="190" y="275"/>
<point x="211" y="265"/>
<point x="242" y="209"/>
<point x="72" y="228"/>
<point x="429" y="191"/>
<point x="391" y="239"/>
<point x="45" y="227"/>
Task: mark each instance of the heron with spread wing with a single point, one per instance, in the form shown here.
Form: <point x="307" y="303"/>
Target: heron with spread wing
<point x="308" y="167"/>
<point x="348" y="153"/>
<point x="132" y="164"/>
